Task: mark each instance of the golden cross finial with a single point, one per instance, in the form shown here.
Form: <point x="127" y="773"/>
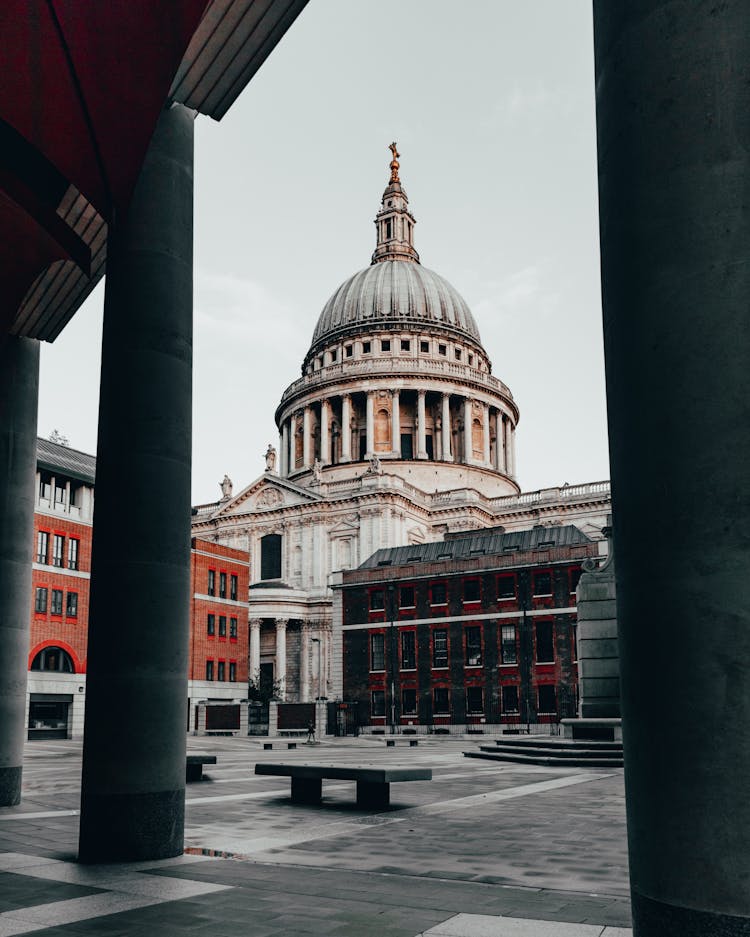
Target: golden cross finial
<point x="394" y="162"/>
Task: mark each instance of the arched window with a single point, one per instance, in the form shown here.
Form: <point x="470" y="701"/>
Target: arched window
<point x="382" y="431"/>
<point x="270" y="556"/>
<point x="54" y="659"/>
<point x="477" y="439"/>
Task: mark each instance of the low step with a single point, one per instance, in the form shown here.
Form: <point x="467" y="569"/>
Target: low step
<point x="549" y="761"/>
<point x="566" y="744"/>
<point x="560" y="752"/>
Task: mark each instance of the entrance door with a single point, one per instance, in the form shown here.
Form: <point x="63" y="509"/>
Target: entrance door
<point x="48" y="719"/>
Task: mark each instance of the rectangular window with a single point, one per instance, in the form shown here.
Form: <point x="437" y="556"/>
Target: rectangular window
<point x="59" y="494"/>
<point x="73" y="546"/>
<point x="405" y="344"/>
<point x="442" y="349"/>
<point x="424" y="347"/>
<point x="506" y="587"/>
<point x="441" y="700"/>
<point x="232" y="627"/>
<point x="222" y="626"/>
<point x="71" y="605"/>
<point x="474" y="699"/>
<point x="385" y="344"/>
<point x="508" y="652"/>
<point x="542" y="583"/>
<point x="42" y="546"/>
<point x="406" y="597"/>
<point x="574" y="641"/>
<point x="409" y="702"/>
<point x="58" y="548"/>
<point x="377" y="652"/>
<point x="458" y="354"/>
<point x="408" y="650"/>
<point x="222" y="585"/>
<point x="377" y="703"/>
<point x="349" y="350"/>
<point x="209" y="670"/>
<point x="232" y="671"/>
<point x="334" y="355"/>
<point x="547" y="699"/>
<point x="212" y="582"/>
<point x="211" y="624"/>
<point x="545" y="649"/>
<point x="40" y="601"/>
<point x="221" y="671"/>
<point x="377" y="600"/>
<point x="438" y="594"/>
<point x="233" y="587"/>
<point x="440" y="648"/>
<point x="471" y="590"/>
<point x="270" y="556"/>
<point x="510" y="699"/>
<point x="473" y="637"/>
<point x="366" y="348"/>
<point x="575" y="575"/>
<point x="56" y="602"/>
<point x="45" y="490"/>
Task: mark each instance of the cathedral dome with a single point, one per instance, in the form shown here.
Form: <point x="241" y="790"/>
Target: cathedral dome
<point x="394" y="294"/>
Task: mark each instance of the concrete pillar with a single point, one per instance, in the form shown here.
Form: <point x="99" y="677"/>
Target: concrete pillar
<point x="292" y="443"/>
<point x="284" y="459"/>
<point x="447" y="455"/>
<point x="133" y="780"/>
<point x="307" y="457"/>
<point x="19" y="394"/>
<point x="325" y="434"/>
<point x="468" y="448"/>
<point x="673" y="96"/>
<point x="346" y="428"/>
<point x="396" y="424"/>
<point x="486" y="432"/>
<point x="370" y="419"/>
<point x="421" y="430"/>
<point x="304" y="663"/>
<point x="281" y="624"/>
<point x="254" y="650"/>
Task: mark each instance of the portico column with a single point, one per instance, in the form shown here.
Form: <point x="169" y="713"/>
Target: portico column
<point x="506" y="440"/>
<point x="486" y="431"/>
<point x="512" y="449"/>
<point x="304" y="663"/>
<point x="421" y="433"/>
<point x="498" y="440"/>
<point x="468" y="448"/>
<point x="284" y="456"/>
<point x="325" y="437"/>
<point x="370" y="417"/>
<point x="447" y="455"/>
<point x="672" y="79"/>
<point x="281" y="624"/>
<point x="292" y="443"/>
<point x="19" y="394"/>
<point x="133" y="781"/>
<point x="346" y="428"/>
<point x="306" y="438"/>
<point x="396" y="424"/>
<point x="254" y="649"/>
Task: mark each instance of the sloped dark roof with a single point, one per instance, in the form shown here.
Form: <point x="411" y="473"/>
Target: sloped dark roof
<point x="56" y="458"/>
<point x="478" y="543"/>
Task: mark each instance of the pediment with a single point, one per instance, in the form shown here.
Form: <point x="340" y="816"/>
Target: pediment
<point x="267" y="493"/>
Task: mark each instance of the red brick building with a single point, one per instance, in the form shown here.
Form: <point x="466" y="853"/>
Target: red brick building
<point x="472" y="631"/>
<point x="63" y="527"/>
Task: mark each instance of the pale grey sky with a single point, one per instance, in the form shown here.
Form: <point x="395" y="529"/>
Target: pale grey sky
<point x="492" y="105"/>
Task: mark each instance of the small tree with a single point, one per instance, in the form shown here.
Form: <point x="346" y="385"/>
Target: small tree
<point x="57" y="437"/>
<point x="262" y="690"/>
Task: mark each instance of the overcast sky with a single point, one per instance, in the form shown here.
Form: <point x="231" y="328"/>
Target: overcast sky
<point x="492" y="105"/>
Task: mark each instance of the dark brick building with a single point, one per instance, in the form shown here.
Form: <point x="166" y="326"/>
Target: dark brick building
<point x="475" y="630"/>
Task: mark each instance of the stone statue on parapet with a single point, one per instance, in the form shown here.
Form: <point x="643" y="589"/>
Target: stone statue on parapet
<point x="226" y="488"/>
<point x="270" y="458"/>
<point x="317" y="470"/>
<point x="375" y="467"/>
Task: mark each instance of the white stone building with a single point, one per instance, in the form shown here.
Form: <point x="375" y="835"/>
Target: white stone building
<point x="396" y="432"/>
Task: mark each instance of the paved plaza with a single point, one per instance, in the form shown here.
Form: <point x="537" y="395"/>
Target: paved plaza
<point x="485" y="849"/>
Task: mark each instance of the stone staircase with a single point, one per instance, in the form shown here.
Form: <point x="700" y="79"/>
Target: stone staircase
<point x="552" y="752"/>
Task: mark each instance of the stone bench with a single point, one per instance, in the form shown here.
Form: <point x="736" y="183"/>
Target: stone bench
<point x="373" y="783"/>
<point x="390" y="743"/>
<point x="194" y="766"/>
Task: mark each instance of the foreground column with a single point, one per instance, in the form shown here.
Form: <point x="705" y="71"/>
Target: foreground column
<point x="133" y="782"/>
<point x="396" y="423"/>
<point x="421" y="429"/>
<point x="254" y="650"/>
<point x="447" y="456"/>
<point x="673" y="98"/>
<point x="281" y="656"/>
<point x="19" y="393"/>
<point x="346" y="428"/>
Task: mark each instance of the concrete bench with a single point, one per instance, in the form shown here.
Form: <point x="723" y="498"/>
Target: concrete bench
<point x="194" y="766"/>
<point x="390" y="743"/>
<point x="373" y="783"/>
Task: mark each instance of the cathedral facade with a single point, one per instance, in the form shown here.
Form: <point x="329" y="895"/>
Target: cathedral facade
<point x="396" y="433"/>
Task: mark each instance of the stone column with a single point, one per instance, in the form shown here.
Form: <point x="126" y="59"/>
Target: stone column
<point x="512" y="449"/>
<point x="447" y="455"/>
<point x="253" y="667"/>
<point x="396" y="424"/>
<point x="284" y="454"/>
<point x="421" y="432"/>
<point x="486" y="430"/>
<point x="133" y="780"/>
<point x="346" y="428"/>
<point x="325" y="435"/>
<point x="498" y="419"/>
<point x="292" y="443"/>
<point x="468" y="448"/>
<point x="370" y="417"/>
<point x="281" y="624"/>
<point x="307" y="460"/>
<point x="304" y="663"/>
<point x="19" y="394"/>
<point x="672" y="82"/>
